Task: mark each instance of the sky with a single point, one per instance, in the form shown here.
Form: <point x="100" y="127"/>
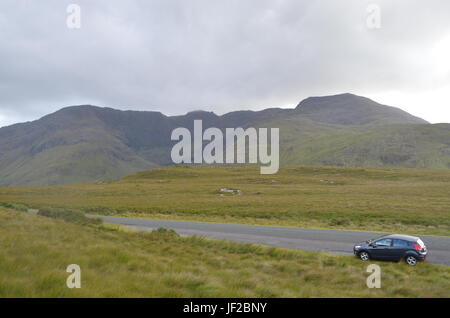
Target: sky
<point x="177" y="56"/>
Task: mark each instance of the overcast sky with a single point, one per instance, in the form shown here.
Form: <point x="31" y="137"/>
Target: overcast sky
<point x="176" y="56"/>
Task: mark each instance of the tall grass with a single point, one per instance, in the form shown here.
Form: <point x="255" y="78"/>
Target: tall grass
<point x="35" y="252"/>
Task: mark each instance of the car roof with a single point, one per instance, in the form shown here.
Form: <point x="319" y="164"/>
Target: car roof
<point x="401" y="237"/>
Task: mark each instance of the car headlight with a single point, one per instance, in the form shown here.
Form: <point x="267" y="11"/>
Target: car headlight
<point x="357" y="247"/>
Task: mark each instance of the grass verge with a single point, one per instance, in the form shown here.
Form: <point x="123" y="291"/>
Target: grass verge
<point x="35" y="252"/>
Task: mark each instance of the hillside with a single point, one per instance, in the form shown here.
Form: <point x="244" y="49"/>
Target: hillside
<point x="304" y="142"/>
<point x="70" y="146"/>
<point x="88" y="143"/>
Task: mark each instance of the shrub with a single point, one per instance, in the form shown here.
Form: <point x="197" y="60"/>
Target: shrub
<point x="338" y="222"/>
<point x="14" y="206"/>
<point x="69" y="216"/>
<point x="164" y="234"/>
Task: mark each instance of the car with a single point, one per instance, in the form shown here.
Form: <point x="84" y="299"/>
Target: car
<point x="394" y="247"/>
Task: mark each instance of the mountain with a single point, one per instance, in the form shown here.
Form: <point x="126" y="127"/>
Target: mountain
<point x="349" y="109"/>
<point x="88" y="143"/>
<point x="70" y="146"/>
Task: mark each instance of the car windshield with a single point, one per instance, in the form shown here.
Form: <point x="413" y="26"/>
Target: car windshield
<point x="374" y="239"/>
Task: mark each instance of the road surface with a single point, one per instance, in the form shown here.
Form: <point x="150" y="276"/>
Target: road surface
<point x="331" y="241"/>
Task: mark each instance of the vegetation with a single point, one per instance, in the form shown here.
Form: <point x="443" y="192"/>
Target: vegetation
<point x="36" y="251"/>
<point x="390" y="146"/>
<point x="14" y="206"/>
<point x="411" y="201"/>
<point x="69" y="216"/>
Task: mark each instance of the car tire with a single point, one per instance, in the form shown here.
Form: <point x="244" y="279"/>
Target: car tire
<point x="411" y="260"/>
<point x="364" y="256"/>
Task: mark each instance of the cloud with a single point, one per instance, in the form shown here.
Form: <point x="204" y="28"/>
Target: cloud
<point x="175" y="56"/>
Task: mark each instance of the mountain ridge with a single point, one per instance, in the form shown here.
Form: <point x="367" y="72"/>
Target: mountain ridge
<point x="87" y="143"/>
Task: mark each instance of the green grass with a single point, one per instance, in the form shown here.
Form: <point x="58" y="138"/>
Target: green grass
<point x="410" y="201"/>
<point x="35" y="252"/>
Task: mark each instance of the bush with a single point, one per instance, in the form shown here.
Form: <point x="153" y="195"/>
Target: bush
<point x="69" y="216"/>
<point x="164" y="234"/>
<point x="14" y="206"/>
<point x="338" y="222"/>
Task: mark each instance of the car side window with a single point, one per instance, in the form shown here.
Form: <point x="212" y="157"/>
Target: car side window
<point x="383" y="242"/>
<point x="400" y="243"/>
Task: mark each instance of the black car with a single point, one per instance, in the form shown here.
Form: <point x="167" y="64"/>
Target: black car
<point x="394" y="247"/>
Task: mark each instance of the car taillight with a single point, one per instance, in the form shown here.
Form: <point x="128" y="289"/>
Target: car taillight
<point x="417" y="247"/>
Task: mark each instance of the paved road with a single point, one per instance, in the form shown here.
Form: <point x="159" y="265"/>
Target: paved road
<point x="332" y="241"/>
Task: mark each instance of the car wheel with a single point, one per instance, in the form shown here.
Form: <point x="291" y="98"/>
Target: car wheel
<point x="411" y="260"/>
<point x="364" y="256"/>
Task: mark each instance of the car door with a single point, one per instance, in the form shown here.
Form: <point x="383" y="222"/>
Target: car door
<point x="398" y="248"/>
<point x="381" y="249"/>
